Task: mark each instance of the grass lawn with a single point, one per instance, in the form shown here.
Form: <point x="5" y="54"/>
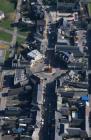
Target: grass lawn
<point x="20" y="40"/>
<point x="6" y="24"/>
<point x="23" y="33"/>
<point x="8" y="8"/>
<point x="5" y="36"/>
<point x="89" y="9"/>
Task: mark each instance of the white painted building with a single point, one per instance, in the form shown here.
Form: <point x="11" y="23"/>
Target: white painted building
<point x="68" y="16"/>
<point x="36" y="56"/>
<point x="2" y="16"/>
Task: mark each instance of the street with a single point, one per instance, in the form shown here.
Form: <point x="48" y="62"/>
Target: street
<point x="46" y="79"/>
<point x="48" y="131"/>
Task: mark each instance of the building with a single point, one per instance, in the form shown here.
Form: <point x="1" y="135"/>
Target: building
<point x="62" y="42"/>
<point x="72" y="16"/>
<point x="85" y="1"/>
<point x="35" y="56"/>
<point x="27" y="21"/>
<point x="20" y="77"/>
<point x="68" y="6"/>
<point x="89" y="75"/>
<point x="4" y="53"/>
<point x="2" y="16"/>
<point x="72" y="49"/>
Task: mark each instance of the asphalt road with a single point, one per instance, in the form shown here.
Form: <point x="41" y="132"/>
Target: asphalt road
<point x="49" y="106"/>
<point x="48" y="131"/>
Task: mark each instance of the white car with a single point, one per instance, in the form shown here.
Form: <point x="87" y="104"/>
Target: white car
<point x="27" y="20"/>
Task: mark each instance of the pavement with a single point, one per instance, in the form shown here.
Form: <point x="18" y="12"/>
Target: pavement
<point x="39" y="119"/>
<point x="57" y="127"/>
<point x="11" y="32"/>
<point x="4" y="42"/>
<point x="81" y="39"/>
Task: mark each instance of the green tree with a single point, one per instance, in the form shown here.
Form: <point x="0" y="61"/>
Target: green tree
<point x="50" y="2"/>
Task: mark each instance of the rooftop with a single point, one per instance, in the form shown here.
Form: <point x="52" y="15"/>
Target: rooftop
<point x="3" y="52"/>
<point x="85" y="1"/>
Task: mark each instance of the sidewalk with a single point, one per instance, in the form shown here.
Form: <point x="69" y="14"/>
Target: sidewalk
<point x="35" y="135"/>
<point x="57" y="126"/>
<point x="57" y="117"/>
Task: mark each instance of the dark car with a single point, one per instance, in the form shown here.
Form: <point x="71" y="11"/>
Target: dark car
<point x="24" y="2"/>
<point x="4" y="94"/>
<point x="2" y="112"/>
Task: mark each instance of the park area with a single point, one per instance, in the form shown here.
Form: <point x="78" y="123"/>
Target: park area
<point x="89" y="9"/>
<point x="8" y="8"/>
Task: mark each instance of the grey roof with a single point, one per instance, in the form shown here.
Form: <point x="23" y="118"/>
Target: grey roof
<point x="77" y="66"/>
<point x="85" y="1"/>
<point x="1" y="12"/>
<point x="77" y="84"/>
<point x="76" y="122"/>
<point x="28" y="87"/>
<point x="72" y="93"/>
<point x="64" y="120"/>
<point x="73" y="49"/>
<point x="89" y="26"/>
<point x="66" y="47"/>
<point x="76" y="132"/>
<point x="64" y="110"/>
<point x="66" y="5"/>
<point x="16" y="91"/>
<point x="2" y="56"/>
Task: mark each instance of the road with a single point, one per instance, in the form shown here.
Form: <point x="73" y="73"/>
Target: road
<point x="4" y="42"/>
<point x="49" y="104"/>
<point x="48" y="19"/>
<point x="39" y="118"/>
<point x="48" y="131"/>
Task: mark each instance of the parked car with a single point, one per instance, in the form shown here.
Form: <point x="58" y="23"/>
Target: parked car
<point x="4" y="94"/>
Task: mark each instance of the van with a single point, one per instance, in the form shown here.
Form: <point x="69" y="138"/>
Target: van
<point x="63" y="42"/>
<point x="22" y="124"/>
<point x="5" y="118"/>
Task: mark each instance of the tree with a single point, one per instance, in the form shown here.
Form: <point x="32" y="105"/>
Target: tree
<point x="50" y="2"/>
<point x="15" y="2"/>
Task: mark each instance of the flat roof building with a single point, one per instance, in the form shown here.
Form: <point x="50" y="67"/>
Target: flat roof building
<point x="35" y="55"/>
<point x="2" y="16"/>
<point x="3" y="53"/>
